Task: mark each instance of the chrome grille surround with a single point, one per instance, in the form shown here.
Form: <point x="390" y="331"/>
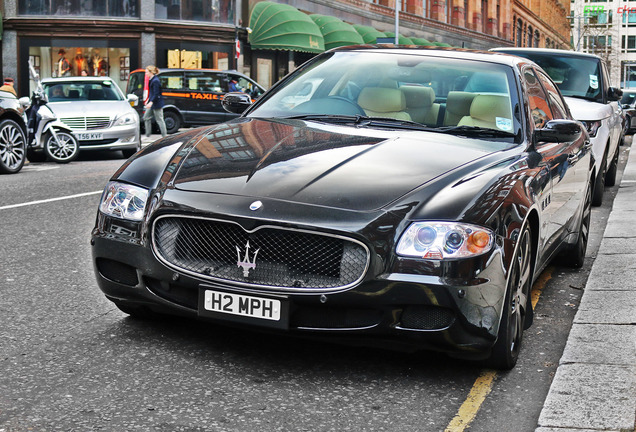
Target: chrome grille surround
<point x="86" y="123"/>
<point x="288" y="260"/>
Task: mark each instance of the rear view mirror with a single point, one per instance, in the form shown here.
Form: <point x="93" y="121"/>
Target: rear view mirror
<point x="559" y="131"/>
<point x="236" y="102"/>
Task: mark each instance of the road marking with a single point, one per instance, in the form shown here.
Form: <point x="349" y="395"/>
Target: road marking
<point x="483" y="384"/>
<point x="50" y="200"/>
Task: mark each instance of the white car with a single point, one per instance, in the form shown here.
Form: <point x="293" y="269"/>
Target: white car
<point x="97" y="111"/>
<point x="584" y="82"/>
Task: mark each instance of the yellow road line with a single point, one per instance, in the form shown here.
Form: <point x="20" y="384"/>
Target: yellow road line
<point x="483" y="384"/>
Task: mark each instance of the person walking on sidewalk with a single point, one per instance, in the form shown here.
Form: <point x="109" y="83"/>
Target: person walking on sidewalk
<point x="154" y="106"/>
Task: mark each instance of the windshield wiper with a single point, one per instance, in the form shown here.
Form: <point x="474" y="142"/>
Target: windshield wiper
<point x="364" y="121"/>
<point x="474" y="131"/>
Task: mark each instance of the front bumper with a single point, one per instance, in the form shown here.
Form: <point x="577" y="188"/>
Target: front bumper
<point x="452" y="308"/>
<point x="113" y="138"/>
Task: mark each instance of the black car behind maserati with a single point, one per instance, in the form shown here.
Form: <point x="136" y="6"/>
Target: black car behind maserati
<point x="409" y="202"/>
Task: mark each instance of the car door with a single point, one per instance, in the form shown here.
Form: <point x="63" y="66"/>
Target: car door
<point x="206" y="90"/>
<point x="555" y="203"/>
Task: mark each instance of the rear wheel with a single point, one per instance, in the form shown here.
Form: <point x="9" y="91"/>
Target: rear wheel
<point x="172" y="120"/>
<point x="63" y="150"/>
<point x="516" y="307"/>
<point x="12" y="147"/>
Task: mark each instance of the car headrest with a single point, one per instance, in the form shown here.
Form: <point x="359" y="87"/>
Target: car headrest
<point x="381" y="99"/>
<point x="489" y="107"/>
<point x="458" y="102"/>
<point x="418" y="96"/>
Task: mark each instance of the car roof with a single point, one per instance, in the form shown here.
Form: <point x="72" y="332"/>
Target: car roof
<point x="77" y="78"/>
<point x="461" y="53"/>
<point x="512" y="50"/>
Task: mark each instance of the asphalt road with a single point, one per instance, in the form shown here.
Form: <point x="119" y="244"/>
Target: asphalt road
<point x="70" y="361"/>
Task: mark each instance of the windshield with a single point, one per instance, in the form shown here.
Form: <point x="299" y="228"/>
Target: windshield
<point x="68" y="91"/>
<point x="432" y="91"/>
<point x="628" y="98"/>
<point x="575" y="76"/>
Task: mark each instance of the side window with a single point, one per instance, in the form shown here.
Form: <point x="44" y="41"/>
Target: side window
<point x="537" y="99"/>
<point x="556" y="102"/>
<point x="171" y="80"/>
<point x="203" y="81"/>
<point x="248" y="86"/>
<point x="135" y="82"/>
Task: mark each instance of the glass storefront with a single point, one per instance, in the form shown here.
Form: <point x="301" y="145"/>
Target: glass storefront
<point x="218" y="11"/>
<point x="60" y="58"/>
<point x="194" y="55"/>
<point x="107" y="8"/>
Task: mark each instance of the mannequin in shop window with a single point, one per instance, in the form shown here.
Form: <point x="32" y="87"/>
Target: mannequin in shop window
<point x="80" y="63"/>
<point x="63" y="66"/>
<point x="98" y="65"/>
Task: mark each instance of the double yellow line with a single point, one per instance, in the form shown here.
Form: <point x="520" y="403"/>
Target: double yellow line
<point x="483" y="384"/>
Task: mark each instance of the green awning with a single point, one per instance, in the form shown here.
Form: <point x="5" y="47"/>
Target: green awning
<point x="421" y="42"/>
<point x="369" y="34"/>
<point x="336" y="32"/>
<point x="402" y="40"/>
<point x="441" y="44"/>
<point x="283" y="27"/>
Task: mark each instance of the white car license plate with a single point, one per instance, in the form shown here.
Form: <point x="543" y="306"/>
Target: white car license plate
<point x="89" y="136"/>
<point x="242" y="305"/>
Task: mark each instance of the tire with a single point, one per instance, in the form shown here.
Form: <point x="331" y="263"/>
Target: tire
<point x="35" y="155"/>
<point x="575" y="256"/>
<point x="517" y="306"/>
<point x="65" y="151"/>
<point x="172" y="120"/>
<point x="12" y="147"/>
<point x="599" y="185"/>
<point x="610" y="177"/>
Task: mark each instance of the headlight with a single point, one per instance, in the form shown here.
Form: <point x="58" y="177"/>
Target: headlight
<point x="124" y="201"/>
<point x="592" y="126"/>
<point x="125" y="119"/>
<point x="441" y="240"/>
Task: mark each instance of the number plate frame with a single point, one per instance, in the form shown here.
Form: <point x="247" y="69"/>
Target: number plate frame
<point x="89" y="136"/>
<point x="248" y="300"/>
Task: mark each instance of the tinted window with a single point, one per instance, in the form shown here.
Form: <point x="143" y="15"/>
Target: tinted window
<point x="556" y="102"/>
<point x="171" y="80"/>
<point x="537" y="100"/>
<point x="248" y="86"/>
<point x="204" y="82"/>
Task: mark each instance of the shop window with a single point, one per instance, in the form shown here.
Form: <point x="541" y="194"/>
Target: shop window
<point x="221" y="11"/>
<point x="110" y="8"/>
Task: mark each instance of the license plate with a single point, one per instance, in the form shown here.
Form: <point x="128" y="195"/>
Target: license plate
<point x="270" y="312"/>
<point x="89" y="136"/>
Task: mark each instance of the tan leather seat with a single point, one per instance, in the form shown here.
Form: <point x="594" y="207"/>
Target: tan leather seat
<point x="490" y="111"/>
<point x="420" y="104"/>
<point x="383" y="102"/>
<point x="457" y="106"/>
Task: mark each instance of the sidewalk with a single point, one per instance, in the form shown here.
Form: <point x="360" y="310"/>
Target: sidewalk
<point x="594" y="388"/>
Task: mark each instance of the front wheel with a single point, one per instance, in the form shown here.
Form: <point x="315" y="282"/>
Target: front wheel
<point x="517" y="306"/>
<point x="599" y="185"/>
<point x="12" y="147"/>
<point x="63" y="150"/>
<point x="610" y="177"/>
<point x="575" y="256"/>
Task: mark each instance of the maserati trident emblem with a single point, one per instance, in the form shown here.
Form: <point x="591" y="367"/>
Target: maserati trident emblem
<point x="246" y="264"/>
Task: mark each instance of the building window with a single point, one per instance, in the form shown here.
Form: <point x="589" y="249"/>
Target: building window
<point x="530" y="34"/>
<point x="519" y="33"/>
<point x="536" y="39"/>
<point x="221" y="11"/>
<point x="108" y="8"/>
<point x="484" y="15"/>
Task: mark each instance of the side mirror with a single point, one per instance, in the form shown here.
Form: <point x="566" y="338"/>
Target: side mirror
<point x="614" y="94"/>
<point x="24" y="102"/>
<point x="236" y="102"/>
<point x="559" y="131"/>
<point x="133" y="100"/>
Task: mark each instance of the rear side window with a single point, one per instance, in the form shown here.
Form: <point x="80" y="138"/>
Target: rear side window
<point x="171" y="80"/>
<point x="204" y="82"/>
<point x="537" y="99"/>
<point x="557" y="104"/>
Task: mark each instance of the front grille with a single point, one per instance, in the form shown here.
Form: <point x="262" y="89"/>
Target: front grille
<point x="276" y="257"/>
<point x="86" y="123"/>
<point x="426" y="318"/>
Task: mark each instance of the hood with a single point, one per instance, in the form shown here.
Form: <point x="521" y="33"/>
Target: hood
<point x="327" y="165"/>
<point x="582" y="109"/>
<point x="90" y="108"/>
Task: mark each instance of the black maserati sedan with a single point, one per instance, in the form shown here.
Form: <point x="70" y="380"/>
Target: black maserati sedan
<point x="407" y="201"/>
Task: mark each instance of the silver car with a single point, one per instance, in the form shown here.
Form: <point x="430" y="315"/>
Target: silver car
<point x="97" y="111"/>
